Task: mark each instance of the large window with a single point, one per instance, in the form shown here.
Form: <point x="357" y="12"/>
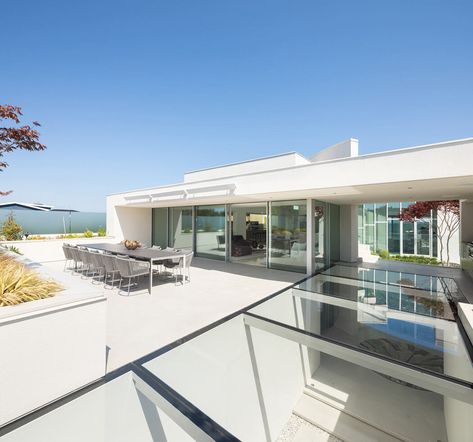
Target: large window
<point x="408" y="242"/>
<point x="381" y="236"/>
<point x="320" y="216"/>
<point x="210" y="231"/>
<point x="160" y="226"/>
<point x="423" y="237"/>
<point x="379" y="226"/>
<point x="180" y="227"/>
<point x="288" y="236"/>
<point x="394" y="236"/>
<point x="248" y="224"/>
<point x="266" y="234"/>
<point x="369" y="213"/>
<point x="393" y="210"/>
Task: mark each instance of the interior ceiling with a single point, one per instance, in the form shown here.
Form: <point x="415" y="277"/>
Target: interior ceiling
<point x="434" y="189"/>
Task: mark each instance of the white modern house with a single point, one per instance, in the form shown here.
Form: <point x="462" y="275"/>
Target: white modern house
<point x="360" y="352"/>
<point x="291" y="212"/>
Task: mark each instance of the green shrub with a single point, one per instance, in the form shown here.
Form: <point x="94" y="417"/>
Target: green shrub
<point x="20" y="284"/>
<point x="101" y="232"/>
<point x="88" y="234"/>
<point x="36" y="237"/>
<point x="14" y="250"/>
<point x="383" y="254"/>
<point x="70" y="236"/>
<point x="416" y="259"/>
<point x="11" y="230"/>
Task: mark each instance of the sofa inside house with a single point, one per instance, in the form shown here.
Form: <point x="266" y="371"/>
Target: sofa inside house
<point x="240" y="246"/>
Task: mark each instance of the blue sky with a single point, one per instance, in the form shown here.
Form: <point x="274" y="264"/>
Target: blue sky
<point x="133" y="94"/>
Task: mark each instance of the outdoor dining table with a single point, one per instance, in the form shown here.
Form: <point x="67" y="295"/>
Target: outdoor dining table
<point x="153" y="256"/>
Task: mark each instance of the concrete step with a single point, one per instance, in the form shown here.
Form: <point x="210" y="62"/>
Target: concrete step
<point x="338" y="423"/>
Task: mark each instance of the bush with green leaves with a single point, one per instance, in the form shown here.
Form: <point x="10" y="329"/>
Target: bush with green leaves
<point x="88" y="234"/>
<point x="11" y="230"/>
<point x="70" y="236"/>
<point x="416" y="259"/>
<point x="383" y="254"/>
<point x="101" y="232"/>
<point x="14" y="249"/>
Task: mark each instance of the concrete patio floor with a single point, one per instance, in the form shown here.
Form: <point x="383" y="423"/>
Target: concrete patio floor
<point x="141" y="323"/>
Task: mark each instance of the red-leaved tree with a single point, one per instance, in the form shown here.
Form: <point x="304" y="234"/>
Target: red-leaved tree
<point x="15" y="136"/>
<point x="448" y="220"/>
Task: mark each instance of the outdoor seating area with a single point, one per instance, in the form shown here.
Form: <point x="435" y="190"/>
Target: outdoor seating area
<point x="108" y="264"/>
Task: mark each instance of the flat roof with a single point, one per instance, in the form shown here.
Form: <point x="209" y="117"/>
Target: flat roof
<point x="394" y="151"/>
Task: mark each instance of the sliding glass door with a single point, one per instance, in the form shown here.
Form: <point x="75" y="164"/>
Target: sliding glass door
<point x="320" y="216"/>
<point x="210" y="231"/>
<point x="180" y="227"/>
<point x="160" y="226"/>
<point x="248" y="227"/>
<point x="288" y="236"/>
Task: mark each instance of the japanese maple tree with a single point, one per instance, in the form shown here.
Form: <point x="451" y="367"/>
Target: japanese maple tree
<point x="448" y="220"/>
<point x="15" y="136"/>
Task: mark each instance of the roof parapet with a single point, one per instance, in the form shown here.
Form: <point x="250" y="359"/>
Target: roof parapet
<point x="344" y="149"/>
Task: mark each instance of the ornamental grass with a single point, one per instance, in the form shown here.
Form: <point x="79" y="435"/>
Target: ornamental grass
<point x="20" y="284"/>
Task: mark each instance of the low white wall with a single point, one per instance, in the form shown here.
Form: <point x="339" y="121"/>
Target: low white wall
<point x="51" y="249"/>
<point x="52" y="346"/>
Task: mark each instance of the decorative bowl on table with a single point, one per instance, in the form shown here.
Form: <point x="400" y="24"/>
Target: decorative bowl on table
<point x="131" y="244"/>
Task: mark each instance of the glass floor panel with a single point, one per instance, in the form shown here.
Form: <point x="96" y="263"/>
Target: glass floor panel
<point x="435" y="284"/>
<point x="116" y="411"/>
<point x="378" y="321"/>
<point x="430" y="303"/>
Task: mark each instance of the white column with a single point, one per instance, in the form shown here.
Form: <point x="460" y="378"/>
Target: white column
<point x="310" y="237"/>
<point x="349" y="233"/>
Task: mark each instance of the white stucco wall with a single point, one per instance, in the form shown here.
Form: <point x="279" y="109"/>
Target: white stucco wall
<point x="52" y="346"/>
<point x="454" y="249"/>
<point x="129" y="222"/>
